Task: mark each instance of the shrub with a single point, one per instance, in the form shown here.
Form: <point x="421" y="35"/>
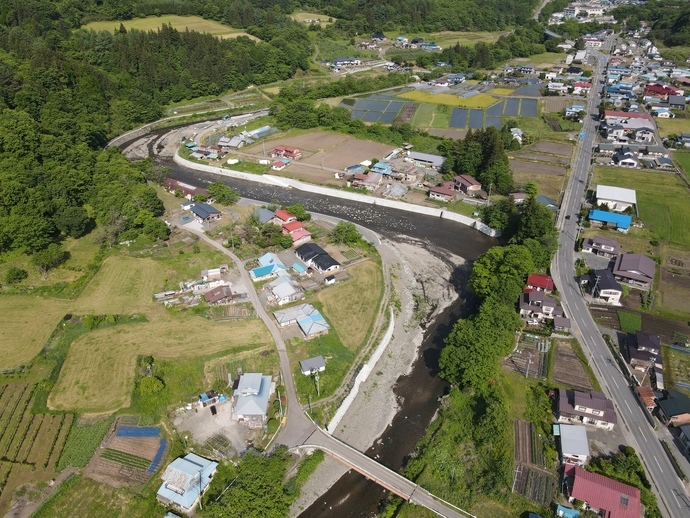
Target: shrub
<point x="15" y="275"/>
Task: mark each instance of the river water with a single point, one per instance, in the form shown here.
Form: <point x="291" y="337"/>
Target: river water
<point x="353" y="495"/>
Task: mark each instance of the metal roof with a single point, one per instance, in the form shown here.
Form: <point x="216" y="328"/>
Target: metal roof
<point x="574" y="440"/>
<point x="608" y="192"/>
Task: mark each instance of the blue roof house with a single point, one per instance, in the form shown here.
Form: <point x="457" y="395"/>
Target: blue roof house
<point x="382" y="168"/>
<point x="620" y="221"/>
<point x="185" y="480"/>
<point x="250" y="399"/>
<point x="269" y="266"/>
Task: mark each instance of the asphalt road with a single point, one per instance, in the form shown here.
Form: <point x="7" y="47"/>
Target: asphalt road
<point x="673" y="499"/>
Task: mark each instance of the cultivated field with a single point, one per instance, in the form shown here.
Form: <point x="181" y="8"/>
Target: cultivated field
<point x="568" y="369"/>
<point x="478" y="101"/>
<point x="540" y="157"/>
<point x="181" y="23"/>
<point x="309" y="174"/>
<point x="553" y="148"/>
<point x="349" y="152"/>
<point x="555" y="104"/>
<point x="522" y="166"/>
<point x="449" y="133"/>
<point x="110" y="354"/>
<point x="683" y="158"/>
<point x="448" y="38"/>
<point x="310" y="142"/>
<point x="675" y="126"/>
<point x="662" y="199"/>
<point x="351" y="307"/>
<point x="549" y="185"/>
<point x="25" y="324"/>
<point x="501" y="91"/>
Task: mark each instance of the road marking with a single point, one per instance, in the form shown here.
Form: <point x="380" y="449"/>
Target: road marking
<point x="657" y="462"/>
<point x="615" y="382"/>
<point x="629" y="409"/>
<point x="674" y="496"/>
<point x="642" y="433"/>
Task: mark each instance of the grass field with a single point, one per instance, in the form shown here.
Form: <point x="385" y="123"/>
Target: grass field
<point x="442" y="115"/>
<point x="110" y="354"/>
<point x="152" y="23"/>
<point x="630" y="322"/>
<point x="502" y="91"/>
<point x="300" y="17"/>
<point x="351" y="307"/>
<point x="25" y="324"/>
<point x="546" y="59"/>
<point x="669" y="126"/>
<point x="662" y="199"/>
<point x="424" y="115"/>
<point x="478" y="101"/>
<point x="683" y="158"/>
<point x="549" y="185"/>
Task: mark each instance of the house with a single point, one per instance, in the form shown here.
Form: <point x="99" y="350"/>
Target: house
<point x="444" y="192"/>
<point x="283" y="290"/>
<point x="602" y="285"/>
<point x="602" y="495"/>
<point x="527" y="70"/>
<point x="300" y="237"/>
<point x="185" y="480"/>
<point x="643" y="135"/>
<point x="214" y="274"/>
<point x="547" y="202"/>
<point x="467" y="184"/>
<point x="676" y="102"/>
<point x="382" y="168"/>
<point x="536" y="305"/>
<point x="644" y="351"/>
<point x="426" y="160"/>
<point x="581" y="88"/>
<point x="313" y="255"/>
<point x="282" y="216"/>
<point x="684" y="437"/>
<point x="615" y="132"/>
<point x="557" y="87"/>
<point x="292" y="226"/>
<point x="205" y="213"/>
<point x="347" y="62"/>
<point x="290" y="152"/>
<point x="269" y="267"/>
<point x="370" y="182"/>
<point x="561" y="324"/>
<point x="517" y="134"/>
<point x="540" y="282"/>
<point x="312" y="365"/>
<point x="592" y="43"/>
<point x="616" y="199"/>
<point x="308" y="318"/>
<point x="626" y="158"/>
<point x="250" y="399"/>
<point x="188" y="191"/>
<point x="574" y="443"/>
<point x="278" y="165"/>
<point x="602" y="246"/>
<point x="674" y="409"/>
<point x="264" y="215"/>
<point x="218" y="296"/>
<point x="646" y="395"/>
<point x="620" y="222"/>
<point x="518" y="197"/>
<point x="635" y="270"/>
<point x="593" y="409"/>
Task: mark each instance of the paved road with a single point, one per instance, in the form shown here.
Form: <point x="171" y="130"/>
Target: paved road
<point x="673" y="500"/>
<point x="300" y="432"/>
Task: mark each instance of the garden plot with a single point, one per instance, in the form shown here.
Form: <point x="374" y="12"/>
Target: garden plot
<point x="556" y="104"/>
<point x="568" y="369"/>
<point x="540" y="157"/>
<point x="313" y="142"/>
<point x="528" y="358"/>
<point x="522" y="166"/>
<point x="532" y="480"/>
<point x="349" y="152"/>
<point x="553" y="148"/>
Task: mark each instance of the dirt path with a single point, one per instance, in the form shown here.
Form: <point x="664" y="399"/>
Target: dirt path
<point x="26" y="505"/>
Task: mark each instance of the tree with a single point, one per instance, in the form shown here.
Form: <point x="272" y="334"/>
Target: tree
<point x="199" y="198"/>
<point x="72" y="221"/>
<point x="150" y="385"/>
<point x="49" y="258"/>
<point x="299" y="212"/>
<point x="346" y="233"/>
<point x="536" y="221"/>
<point x="222" y="193"/>
<point x="13" y="275"/>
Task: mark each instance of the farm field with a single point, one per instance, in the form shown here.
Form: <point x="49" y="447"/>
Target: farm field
<point x="549" y="185"/>
<point x="26" y="322"/>
<point x="629" y="322"/>
<point x="448" y="38"/>
<point x="568" y="369"/>
<point x="662" y="201"/>
<point x="683" y="158"/>
<point x="673" y="126"/>
<point x="540" y="157"/>
<point x="348" y="306"/>
<point x="349" y="152"/>
<point x="522" y="166"/>
<point x="544" y="60"/>
<point x="152" y="23"/>
<point x="477" y="101"/>
<point x="111" y="354"/>
<point x="501" y="91"/>
<point x="553" y="148"/>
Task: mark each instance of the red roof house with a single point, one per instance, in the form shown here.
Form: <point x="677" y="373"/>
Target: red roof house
<point x="540" y="282"/>
<point x="287" y="152"/>
<point x="611" y="114"/>
<point x="292" y="226"/>
<point x="278" y="166"/>
<point x="614" y="499"/>
<point x="467" y="184"/>
<point x="300" y="236"/>
<point x="285" y="217"/>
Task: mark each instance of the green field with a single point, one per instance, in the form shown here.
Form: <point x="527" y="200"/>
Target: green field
<point x="82" y="443"/>
<point x="630" y="322"/>
<point x="478" y="101"/>
<point x="152" y="23"/>
<point x="673" y="126"/>
<point x="662" y="199"/>
<point x="683" y="158"/>
<point x="126" y="459"/>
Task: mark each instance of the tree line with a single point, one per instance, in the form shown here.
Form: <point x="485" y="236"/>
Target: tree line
<point x="668" y="19"/>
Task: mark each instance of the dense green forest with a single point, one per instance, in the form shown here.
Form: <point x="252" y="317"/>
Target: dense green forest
<point x="668" y="19"/>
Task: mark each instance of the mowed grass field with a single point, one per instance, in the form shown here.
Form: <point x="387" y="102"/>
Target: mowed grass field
<point x="351" y="307"/>
<point x="502" y="91"/>
<point x="300" y="17"/>
<point x="478" y="101"/>
<point x="683" y="158"/>
<point x="25" y="325"/>
<point x="662" y="198"/>
<point x="98" y="374"/>
<point x="673" y="126"/>
<point x="152" y="23"/>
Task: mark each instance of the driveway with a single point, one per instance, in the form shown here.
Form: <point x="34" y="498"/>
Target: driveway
<point x="203" y="425"/>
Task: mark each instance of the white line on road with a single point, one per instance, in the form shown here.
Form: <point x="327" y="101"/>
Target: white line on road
<point x="674" y="496"/>
<point x="657" y="462"/>
<point x="629" y="409"/>
<point x="615" y="382"/>
<point x="642" y="433"/>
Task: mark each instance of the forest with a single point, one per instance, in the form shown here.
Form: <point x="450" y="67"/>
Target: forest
<point x="668" y="19"/>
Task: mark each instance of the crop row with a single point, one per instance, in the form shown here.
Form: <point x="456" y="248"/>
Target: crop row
<point x="9" y="405"/>
<point x="17" y="426"/>
<point x="82" y="443"/>
<point x="126" y="459"/>
<point x="5" y="468"/>
<point x="30" y="438"/>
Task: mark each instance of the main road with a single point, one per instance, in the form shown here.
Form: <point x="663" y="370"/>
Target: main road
<point x="636" y="429"/>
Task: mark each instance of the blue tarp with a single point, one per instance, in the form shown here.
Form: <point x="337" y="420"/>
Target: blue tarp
<point x="135" y="431"/>
<point x="159" y="455"/>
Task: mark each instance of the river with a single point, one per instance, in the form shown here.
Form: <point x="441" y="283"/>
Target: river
<point x="419" y="391"/>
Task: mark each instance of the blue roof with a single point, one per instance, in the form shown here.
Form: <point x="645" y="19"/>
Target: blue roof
<point x="382" y="167"/>
<point x="566" y="512"/>
<point x="621" y="220"/>
<point x="252" y="394"/>
<point x="135" y="431"/>
<point x="263" y="270"/>
<point x="299" y="267"/>
<point x="269" y="258"/>
<point x="191" y="474"/>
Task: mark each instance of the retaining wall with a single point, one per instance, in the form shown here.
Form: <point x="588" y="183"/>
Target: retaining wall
<point x="354" y="196"/>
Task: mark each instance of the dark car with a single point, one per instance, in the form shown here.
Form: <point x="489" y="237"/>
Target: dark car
<point x="213" y="410"/>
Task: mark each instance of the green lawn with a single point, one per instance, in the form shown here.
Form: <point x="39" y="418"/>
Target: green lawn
<point x="630" y="322"/>
<point x="683" y="158"/>
<point x="675" y="126"/>
<point x="662" y="199"/>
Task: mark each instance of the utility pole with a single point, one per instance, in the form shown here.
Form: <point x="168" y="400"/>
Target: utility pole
<point x="488" y="203"/>
<point x="529" y="362"/>
<point x="596" y="285"/>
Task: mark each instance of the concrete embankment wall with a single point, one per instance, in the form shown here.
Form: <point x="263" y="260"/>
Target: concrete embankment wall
<point x="337" y="193"/>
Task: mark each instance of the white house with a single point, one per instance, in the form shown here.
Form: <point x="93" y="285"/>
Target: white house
<point x="574" y="444"/>
<point x="185" y="480"/>
<point x="616" y="199"/>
